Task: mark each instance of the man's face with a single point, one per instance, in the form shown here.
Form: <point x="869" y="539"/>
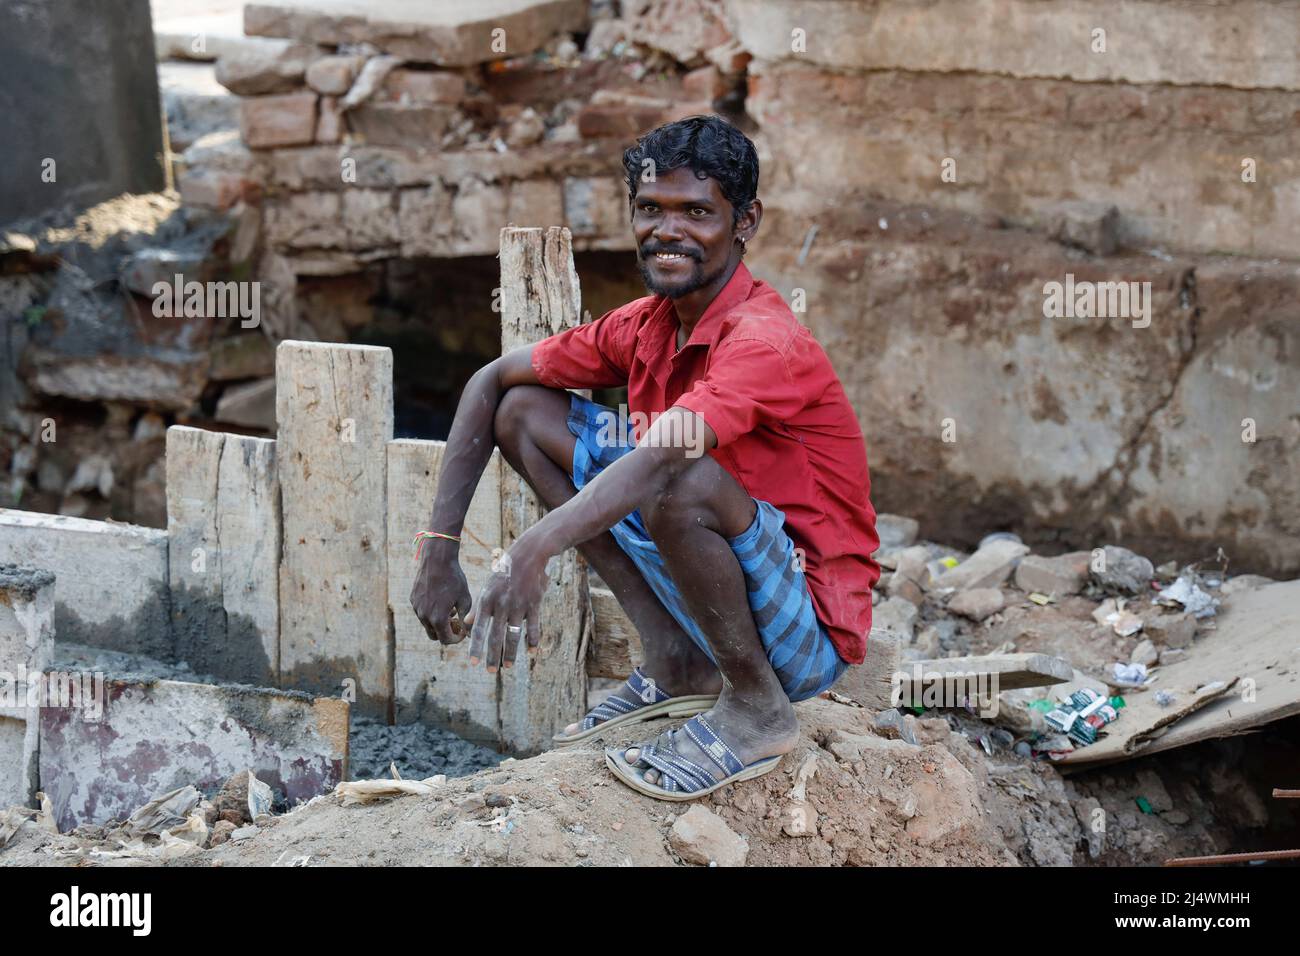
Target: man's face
<point x="684" y="233"/>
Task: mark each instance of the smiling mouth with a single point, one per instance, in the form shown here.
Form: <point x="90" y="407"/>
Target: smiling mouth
<point x="669" y="257"/>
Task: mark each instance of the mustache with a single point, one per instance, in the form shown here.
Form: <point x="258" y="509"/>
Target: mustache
<point x="683" y="252"/>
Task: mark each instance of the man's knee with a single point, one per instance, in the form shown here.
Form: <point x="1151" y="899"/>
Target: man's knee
<point x="704" y="494"/>
<point x="520" y="409"/>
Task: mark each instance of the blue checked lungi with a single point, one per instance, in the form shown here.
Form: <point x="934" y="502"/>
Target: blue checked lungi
<point x="797" y="644"/>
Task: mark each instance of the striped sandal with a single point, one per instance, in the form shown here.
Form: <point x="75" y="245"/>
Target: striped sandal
<point x="682" y="779"/>
<point x="615" y="712"/>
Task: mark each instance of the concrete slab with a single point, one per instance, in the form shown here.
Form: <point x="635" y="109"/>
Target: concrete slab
<point x="155" y="736"/>
<point x="450" y="32"/>
<point x="110" y="585"/>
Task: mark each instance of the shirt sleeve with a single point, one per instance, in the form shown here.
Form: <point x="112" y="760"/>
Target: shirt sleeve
<point x="749" y="383"/>
<point x="593" y="355"/>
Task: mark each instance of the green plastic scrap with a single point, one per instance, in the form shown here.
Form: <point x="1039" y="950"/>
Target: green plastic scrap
<point x="1117" y="702"/>
<point x="1144" y="806"/>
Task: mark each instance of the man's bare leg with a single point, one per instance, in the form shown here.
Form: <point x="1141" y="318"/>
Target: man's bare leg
<point x="532" y="433"/>
<point x="691" y="522"/>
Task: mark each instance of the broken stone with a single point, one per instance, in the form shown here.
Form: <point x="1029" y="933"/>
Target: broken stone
<point x="330" y="127"/>
<point x="1087" y="226"/>
<point x="946" y="801"/>
<point x="1125" y="572"/>
<point x="334" y="75"/>
<point x="221" y="831"/>
<point x="896" y="531"/>
<point x="148" y="267"/>
<point x="1171" y="630"/>
<point x="1144" y="653"/>
<point x="988" y="567"/>
<point x="1172" y="655"/>
<point x="1061" y="576"/>
<point x="1153" y="788"/>
<point x="701" y="836"/>
<point x="265" y="66"/>
<point x="251" y="405"/>
<point x="525" y="130"/>
<point x="247" y="355"/>
<point x="399" y="124"/>
<point x="287" y="119"/>
<point x="977" y="603"/>
<point x="892" y="725"/>
<point x="895" y="616"/>
<point x="705" y="83"/>
<point x="424" y="87"/>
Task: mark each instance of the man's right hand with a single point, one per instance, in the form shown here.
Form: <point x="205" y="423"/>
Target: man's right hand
<point x="440" y="598"/>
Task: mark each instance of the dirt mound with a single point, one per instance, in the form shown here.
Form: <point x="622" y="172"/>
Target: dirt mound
<point x="870" y="801"/>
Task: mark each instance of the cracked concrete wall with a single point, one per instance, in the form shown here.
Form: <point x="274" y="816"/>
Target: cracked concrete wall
<point x="78" y="87"/>
<point x="927" y="172"/>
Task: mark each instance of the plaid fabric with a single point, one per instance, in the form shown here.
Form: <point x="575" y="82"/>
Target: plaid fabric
<point x="797" y="644"/>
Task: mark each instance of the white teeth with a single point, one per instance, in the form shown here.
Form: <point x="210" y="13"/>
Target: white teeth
<point x="666" y="256"/>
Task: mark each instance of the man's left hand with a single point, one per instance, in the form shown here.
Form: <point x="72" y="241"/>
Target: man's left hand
<point x="511" y="600"/>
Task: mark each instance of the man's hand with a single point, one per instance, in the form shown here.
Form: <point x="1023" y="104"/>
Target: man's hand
<point x="440" y="597"/>
<point x="511" y="597"/>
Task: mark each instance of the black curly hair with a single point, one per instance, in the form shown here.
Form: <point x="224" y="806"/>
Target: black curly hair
<point x="710" y="146"/>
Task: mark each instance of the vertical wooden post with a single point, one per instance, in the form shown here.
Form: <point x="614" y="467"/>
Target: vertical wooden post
<point x="540" y="296"/>
<point x="432" y="683"/>
<point x="223" y="530"/>
<point x="334" y="411"/>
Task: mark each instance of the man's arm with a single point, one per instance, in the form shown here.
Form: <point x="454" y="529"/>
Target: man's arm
<point x="514" y="592"/>
<point x="440" y="588"/>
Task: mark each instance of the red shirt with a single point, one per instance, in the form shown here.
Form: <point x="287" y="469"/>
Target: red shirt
<point x="786" y="431"/>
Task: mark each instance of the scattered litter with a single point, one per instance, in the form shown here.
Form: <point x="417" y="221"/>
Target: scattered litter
<point x="1042" y="599"/>
<point x="353" y="792"/>
<point x="1083" y="716"/>
<point x="172" y="809"/>
<point x="1164" y="698"/>
<point x="1130" y="675"/>
<point x="1145" y="805"/>
<point x="259" y="797"/>
<point x="1185" y="593"/>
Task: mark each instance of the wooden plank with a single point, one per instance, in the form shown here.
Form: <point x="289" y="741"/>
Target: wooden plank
<point x="1011" y="671"/>
<point x="223" y="524"/>
<point x="334" y="413"/>
<point x="433" y="683"/>
<point x="193" y="553"/>
<point x="871" y="683"/>
<point x="540" y="296"/>
<point x="248" y="532"/>
<point x="616" y="645"/>
<point x="1237" y="677"/>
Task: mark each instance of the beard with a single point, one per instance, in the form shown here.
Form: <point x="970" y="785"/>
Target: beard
<point x="675" y="288"/>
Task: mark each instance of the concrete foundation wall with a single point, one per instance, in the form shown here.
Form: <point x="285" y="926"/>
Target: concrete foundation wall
<point x="153" y="737"/>
<point x="110" y="579"/>
<point x="77" y="86"/>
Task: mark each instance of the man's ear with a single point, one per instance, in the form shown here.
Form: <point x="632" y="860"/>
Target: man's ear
<point x="749" y="223"/>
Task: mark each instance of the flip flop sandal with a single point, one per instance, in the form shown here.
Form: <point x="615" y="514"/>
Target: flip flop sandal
<point x="615" y="712"/>
<point x="683" y="779"/>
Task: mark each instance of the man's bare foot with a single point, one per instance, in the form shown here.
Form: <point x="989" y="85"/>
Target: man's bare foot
<point x="699" y="681"/>
<point x="752" y="731"/>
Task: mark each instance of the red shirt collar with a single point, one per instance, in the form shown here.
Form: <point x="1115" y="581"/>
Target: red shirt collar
<point x="657" y="338"/>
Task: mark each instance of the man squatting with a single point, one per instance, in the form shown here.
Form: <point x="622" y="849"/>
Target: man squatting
<point x="747" y="571"/>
